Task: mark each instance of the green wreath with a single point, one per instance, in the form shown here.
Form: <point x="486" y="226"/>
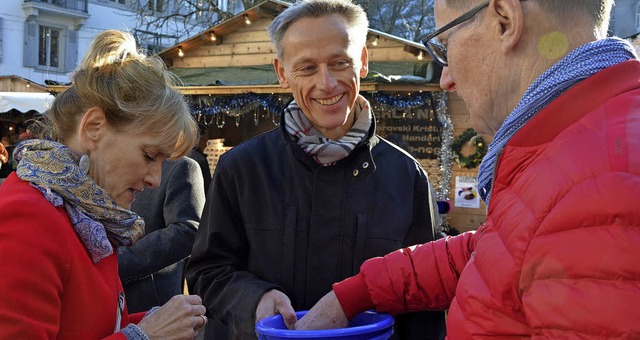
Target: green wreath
<point x="469" y="136"/>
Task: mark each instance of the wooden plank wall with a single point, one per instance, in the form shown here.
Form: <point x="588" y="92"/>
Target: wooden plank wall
<point x="462" y="219"/>
<point x="250" y="45"/>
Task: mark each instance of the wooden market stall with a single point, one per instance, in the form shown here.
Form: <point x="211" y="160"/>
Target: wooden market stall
<point x="227" y="72"/>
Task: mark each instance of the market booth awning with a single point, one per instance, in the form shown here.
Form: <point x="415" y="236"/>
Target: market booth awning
<point x="25" y="101"/>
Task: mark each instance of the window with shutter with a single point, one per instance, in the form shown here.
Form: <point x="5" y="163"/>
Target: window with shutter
<point x="156" y="5"/>
<point x="49" y="41"/>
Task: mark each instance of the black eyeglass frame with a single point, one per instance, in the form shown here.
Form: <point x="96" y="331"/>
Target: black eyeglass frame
<point x="432" y="47"/>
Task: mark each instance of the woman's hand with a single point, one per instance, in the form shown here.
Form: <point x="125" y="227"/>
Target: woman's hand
<point x="179" y="318"/>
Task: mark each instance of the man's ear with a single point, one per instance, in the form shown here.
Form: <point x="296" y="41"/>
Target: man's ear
<point x="510" y="22"/>
<point x="91" y="127"/>
<point x="364" y="58"/>
<point x="282" y="78"/>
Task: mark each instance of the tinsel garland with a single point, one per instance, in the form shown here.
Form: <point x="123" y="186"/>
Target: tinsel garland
<point x="402" y="101"/>
<point x="442" y="112"/>
<point x="213" y="109"/>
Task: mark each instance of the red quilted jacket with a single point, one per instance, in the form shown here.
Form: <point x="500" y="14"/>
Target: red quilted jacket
<point x="559" y="255"/>
<point x="49" y="286"/>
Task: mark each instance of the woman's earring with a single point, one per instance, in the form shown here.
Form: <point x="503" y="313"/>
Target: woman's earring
<point x="84" y="163"/>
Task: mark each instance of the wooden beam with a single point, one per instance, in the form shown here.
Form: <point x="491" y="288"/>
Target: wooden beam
<point x="230" y="90"/>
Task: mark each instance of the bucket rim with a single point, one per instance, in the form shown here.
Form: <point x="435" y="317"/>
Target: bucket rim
<point x="385" y="322"/>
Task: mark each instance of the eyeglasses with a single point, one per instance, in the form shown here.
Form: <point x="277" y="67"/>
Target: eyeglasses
<point x="435" y="49"/>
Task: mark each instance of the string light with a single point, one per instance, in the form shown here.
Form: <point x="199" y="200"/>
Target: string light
<point x="213" y="36"/>
<point x="375" y="41"/>
<point x="420" y="55"/>
<point x="180" y="52"/>
<point x="247" y="20"/>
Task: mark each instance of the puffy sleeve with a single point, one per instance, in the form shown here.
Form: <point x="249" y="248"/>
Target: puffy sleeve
<point x="417" y="278"/>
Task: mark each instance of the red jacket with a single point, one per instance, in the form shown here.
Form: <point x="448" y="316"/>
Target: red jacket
<point x="559" y="255"/>
<point x="49" y="287"/>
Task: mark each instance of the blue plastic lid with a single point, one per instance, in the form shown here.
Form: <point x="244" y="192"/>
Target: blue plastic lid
<point x="364" y="326"/>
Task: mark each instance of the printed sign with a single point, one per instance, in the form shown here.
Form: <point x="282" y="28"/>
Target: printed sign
<point x="467" y="192"/>
<point x="417" y="131"/>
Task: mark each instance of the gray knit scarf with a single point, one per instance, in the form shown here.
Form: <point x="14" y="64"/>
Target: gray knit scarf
<point x="323" y="150"/>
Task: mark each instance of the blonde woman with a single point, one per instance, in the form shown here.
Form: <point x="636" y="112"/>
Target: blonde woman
<point x="65" y="210"/>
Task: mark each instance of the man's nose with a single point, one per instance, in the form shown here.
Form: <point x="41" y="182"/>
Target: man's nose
<point x="327" y="80"/>
<point x="446" y="82"/>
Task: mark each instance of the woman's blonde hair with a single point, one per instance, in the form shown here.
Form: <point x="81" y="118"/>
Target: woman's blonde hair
<point x="136" y="92"/>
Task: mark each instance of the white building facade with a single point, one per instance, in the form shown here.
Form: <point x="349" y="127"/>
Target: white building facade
<point x="42" y="40"/>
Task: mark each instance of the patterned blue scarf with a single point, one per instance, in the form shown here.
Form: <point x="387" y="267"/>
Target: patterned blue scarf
<point x="52" y="168"/>
<point x="578" y="65"/>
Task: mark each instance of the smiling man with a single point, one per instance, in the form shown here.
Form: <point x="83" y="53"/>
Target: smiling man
<point x="298" y="208"/>
<point x="558" y="255"/>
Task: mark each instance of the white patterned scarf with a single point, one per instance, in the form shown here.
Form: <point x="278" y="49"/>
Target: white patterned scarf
<point x="53" y="169"/>
<point x="578" y="65"/>
<point x="323" y="150"/>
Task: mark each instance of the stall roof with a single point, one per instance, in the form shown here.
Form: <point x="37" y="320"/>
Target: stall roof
<point x="240" y="58"/>
<point x="25" y="101"/>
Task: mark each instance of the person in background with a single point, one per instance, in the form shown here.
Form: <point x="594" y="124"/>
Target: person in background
<point x="152" y="269"/>
<point x="293" y="210"/>
<point x="4" y="154"/>
<point x="7" y="165"/>
<point x="65" y="211"/>
<point x="197" y="154"/>
<point x="558" y="257"/>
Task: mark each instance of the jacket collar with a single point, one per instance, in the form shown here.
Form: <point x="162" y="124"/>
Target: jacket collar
<point x="573" y="104"/>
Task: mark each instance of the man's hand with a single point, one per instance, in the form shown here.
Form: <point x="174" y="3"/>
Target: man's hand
<point x="326" y="314"/>
<point x="276" y="302"/>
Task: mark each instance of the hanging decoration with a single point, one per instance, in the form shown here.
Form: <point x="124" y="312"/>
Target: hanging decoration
<point x="470" y="137"/>
<point x="400" y="101"/>
<point x="442" y="188"/>
<point x="207" y="109"/>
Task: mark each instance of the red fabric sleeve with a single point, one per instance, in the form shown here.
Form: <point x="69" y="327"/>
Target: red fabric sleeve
<point x="353" y="295"/>
<point x="418" y="278"/>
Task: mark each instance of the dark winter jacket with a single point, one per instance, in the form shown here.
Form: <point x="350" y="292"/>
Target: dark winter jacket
<point x="275" y="219"/>
<point x="152" y="269"/>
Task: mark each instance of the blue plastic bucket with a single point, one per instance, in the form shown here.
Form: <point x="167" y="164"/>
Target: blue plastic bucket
<point x="364" y="326"/>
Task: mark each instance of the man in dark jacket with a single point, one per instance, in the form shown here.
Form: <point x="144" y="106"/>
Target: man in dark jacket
<point x="152" y="269"/>
<point x="298" y="208"/>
